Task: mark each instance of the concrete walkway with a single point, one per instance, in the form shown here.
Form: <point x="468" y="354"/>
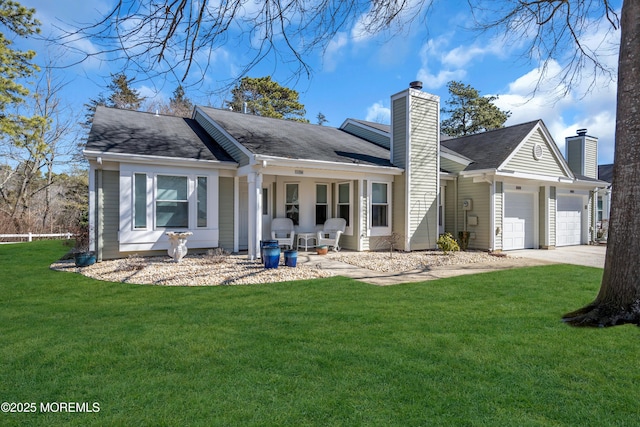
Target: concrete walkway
<point x="592" y="256"/>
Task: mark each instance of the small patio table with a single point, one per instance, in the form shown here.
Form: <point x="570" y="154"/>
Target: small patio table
<point x="306" y="237"/>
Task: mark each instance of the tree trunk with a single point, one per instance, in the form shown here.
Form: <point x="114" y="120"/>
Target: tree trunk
<point x="618" y="301"/>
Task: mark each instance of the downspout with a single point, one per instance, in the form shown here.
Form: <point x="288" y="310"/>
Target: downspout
<point x="236" y="214"/>
<point x="100" y="212"/>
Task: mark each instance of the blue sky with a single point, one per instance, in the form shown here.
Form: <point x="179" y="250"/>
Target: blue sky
<point x="357" y="74"/>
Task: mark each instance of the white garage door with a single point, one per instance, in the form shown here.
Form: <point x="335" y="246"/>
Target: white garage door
<point x="569" y="221"/>
<point x="518" y="221"/>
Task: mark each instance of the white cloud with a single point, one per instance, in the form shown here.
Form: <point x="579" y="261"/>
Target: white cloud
<point x="378" y="113"/>
<point x="563" y="110"/>
<point x="333" y="52"/>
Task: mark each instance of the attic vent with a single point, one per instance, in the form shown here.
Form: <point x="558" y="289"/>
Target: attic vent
<point x="538" y="151"/>
<point x="416" y="85"/>
<point x="581" y="132"/>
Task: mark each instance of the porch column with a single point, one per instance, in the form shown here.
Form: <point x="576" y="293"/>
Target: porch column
<point x="255" y="214"/>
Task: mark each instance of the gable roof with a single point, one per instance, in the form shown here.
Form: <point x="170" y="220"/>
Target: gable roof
<point x="119" y="131"/>
<point x="490" y="149"/>
<point x="294" y="140"/>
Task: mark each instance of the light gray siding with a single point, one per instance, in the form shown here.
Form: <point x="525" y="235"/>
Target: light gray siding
<point x="450" y="200"/>
<point x="451" y="166"/>
<point x="399" y="200"/>
<point x="499" y="215"/>
<point x="224" y="142"/>
<point x="399" y="123"/>
<point x="423" y="173"/>
<point x="524" y="161"/>
<point x="226" y="212"/>
<point x="591" y="158"/>
<point x="553" y="203"/>
<point x="369" y="135"/>
<point x="575" y="153"/>
<point x="479" y="193"/>
<point x="109" y="215"/>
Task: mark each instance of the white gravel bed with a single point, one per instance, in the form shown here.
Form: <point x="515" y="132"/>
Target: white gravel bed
<point x="195" y="270"/>
<point x="411" y="261"/>
<point x="203" y="270"/>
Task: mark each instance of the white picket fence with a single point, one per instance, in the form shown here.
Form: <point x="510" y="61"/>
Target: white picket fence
<point x="31" y="236"/>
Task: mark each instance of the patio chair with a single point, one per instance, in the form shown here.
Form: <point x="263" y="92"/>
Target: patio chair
<point x="282" y="230"/>
<point x="330" y="233"/>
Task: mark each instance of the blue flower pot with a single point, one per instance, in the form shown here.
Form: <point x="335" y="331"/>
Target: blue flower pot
<point x="271" y="256"/>
<point x="290" y="258"/>
<point x="85" y="259"/>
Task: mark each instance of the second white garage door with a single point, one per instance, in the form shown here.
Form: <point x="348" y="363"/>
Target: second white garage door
<point x="569" y="221"/>
<point x="518" y="221"/>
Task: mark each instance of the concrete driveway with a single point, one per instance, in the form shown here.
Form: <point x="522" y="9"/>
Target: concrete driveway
<point x="589" y="255"/>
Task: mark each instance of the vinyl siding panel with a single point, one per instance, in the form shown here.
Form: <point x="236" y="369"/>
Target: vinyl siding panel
<point x="226" y="213"/>
<point x="479" y="193"/>
<point x="523" y="160"/>
<point x="499" y="215"/>
<point x="451" y="166"/>
<point x="450" y="201"/>
<point x="224" y="142"/>
<point x="350" y="241"/>
<point x="376" y="138"/>
<point x="543" y="228"/>
<point x="553" y="203"/>
<point x="574" y="155"/>
<point x="109" y="214"/>
<point x="399" y="129"/>
<point x="591" y="158"/>
<point x="423" y="173"/>
<point x="398" y="197"/>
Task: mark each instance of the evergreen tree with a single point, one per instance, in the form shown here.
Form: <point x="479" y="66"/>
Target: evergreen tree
<point x="122" y="95"/>
<point x="262" y="96"/>
<point x="469" y="112"/>
<point x="15" y="65"/>
<point x="179" y="104"/>
<point x="322" y="119"/>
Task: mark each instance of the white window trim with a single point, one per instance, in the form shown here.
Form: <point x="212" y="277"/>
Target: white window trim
<point x="379" y="231"/>
<point x="349" y="229"/>
<point x="328" y="204"/>
<point x="154" y="238"/>
<point x="191" y="202"/>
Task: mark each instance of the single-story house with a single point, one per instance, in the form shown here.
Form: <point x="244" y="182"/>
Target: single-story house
<point x="224" y="175"/>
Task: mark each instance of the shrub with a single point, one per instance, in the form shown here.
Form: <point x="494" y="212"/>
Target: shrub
<point x="216" y="256"/>
<point x="447" y="243"/>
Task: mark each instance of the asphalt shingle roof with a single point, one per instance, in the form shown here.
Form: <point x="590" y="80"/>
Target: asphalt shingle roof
<point x="490" y="149"/>
<point x="134" y="132"/>
<point x="295" y="140"/>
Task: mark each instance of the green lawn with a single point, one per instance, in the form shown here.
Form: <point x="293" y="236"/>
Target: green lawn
<point x="483" y="350"/>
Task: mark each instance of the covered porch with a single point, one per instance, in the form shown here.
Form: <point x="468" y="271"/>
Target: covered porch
<point x="309" y="194"/>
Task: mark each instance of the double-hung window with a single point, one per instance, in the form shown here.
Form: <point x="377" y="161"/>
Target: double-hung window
<point x="292" y="203"/>
<point x="379" y="205"/>
<point x="172" y="203"/>
<point x="140" y="200"/>
<point x="322" y="203"/>
<point x="201" y="194"/>
<point x="344" y="201"/>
